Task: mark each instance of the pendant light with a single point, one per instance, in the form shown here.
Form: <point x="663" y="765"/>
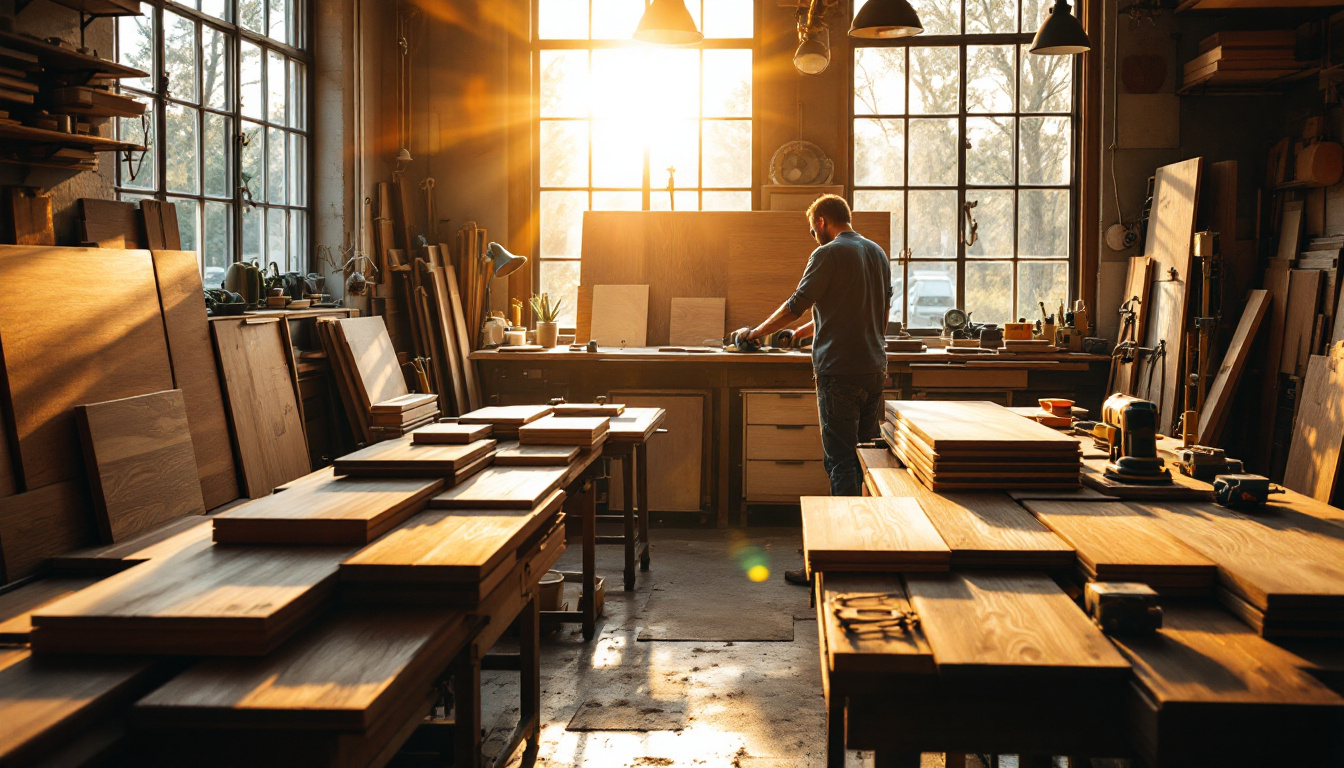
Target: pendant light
<point x="667" y="22"/>
<point x="814" y="40"/>
<point x="886" y="19"/>
<point x="1061" y="34"/>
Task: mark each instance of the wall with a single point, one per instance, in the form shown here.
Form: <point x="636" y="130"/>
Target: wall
<point x="45" y="19"/>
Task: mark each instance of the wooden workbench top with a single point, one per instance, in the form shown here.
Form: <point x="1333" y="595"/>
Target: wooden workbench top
<point x="651" y="354"/>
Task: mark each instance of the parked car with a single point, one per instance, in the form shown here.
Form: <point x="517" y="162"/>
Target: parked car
<point x="931" y="295"/>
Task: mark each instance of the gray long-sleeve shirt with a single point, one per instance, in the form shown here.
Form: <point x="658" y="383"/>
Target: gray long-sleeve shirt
<point x="847" y="284"/>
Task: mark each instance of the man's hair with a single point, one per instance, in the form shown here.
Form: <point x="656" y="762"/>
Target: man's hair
<point x="833" y="208"/>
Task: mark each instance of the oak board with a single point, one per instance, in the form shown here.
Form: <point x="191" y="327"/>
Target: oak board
<point x="582" y="431"/>
<point x="44" y="523"/>
<point x="17" y="606"/>
<point x="350" y="511"/>
<point x="502" y="488"/>
<point x="378" y="377"/>
<point x="1318" y="431"/>
<point x="1228" y="377"/>
<point x="505" y="415"/>
<point x="450" y="434"/>
<point x="514" y="455"/>
<point x="692" y="322"/>
<point x="870" y="534"/>
<point x="401" y="457"/>
<point x="1304" y="300"/>
<point x="973" y="426"/>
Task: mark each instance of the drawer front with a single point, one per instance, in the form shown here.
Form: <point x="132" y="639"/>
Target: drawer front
<point x="782" y="408"/>
<point x="785" y="481"/>
<point x="968" y="378"/>
<point x="799" y="441"/>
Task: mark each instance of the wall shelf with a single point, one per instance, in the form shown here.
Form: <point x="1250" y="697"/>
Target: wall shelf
<point x="1252" y="5"/>
<point x="33" y="135"/>
<point x="56" y="59"/>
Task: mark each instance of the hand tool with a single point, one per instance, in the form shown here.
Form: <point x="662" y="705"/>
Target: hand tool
<point x="739" y="340"/>
<point x="1123" y="608"/>
<point x="1238" y="491"/>
<point x="1129" y="427"/>
<point x="1205" y="463"/>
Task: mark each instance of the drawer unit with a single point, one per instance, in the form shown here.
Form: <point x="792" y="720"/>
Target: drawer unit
<point x="781" y="408"/>
<point x="783" y="441"/>
<point x="782" y="482"/>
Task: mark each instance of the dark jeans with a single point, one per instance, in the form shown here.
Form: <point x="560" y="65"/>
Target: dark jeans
<point x="850" y="408"/>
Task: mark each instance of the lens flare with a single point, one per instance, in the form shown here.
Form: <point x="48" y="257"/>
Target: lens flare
<point x="758" y="573"/>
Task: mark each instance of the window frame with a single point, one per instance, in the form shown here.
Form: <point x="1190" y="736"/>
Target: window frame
<point x="903" y="263"/>
<point x="301" y="19"/>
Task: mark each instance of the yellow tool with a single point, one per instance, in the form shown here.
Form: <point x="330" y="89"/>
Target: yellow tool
<point x="1129" y="426"/>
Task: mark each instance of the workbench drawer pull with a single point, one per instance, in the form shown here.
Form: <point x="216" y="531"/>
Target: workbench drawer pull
<point x="791" y="463"/>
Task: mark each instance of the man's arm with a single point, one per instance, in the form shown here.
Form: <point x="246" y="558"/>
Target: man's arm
<point x="805" y="330"/>
<point x="813" y="283"/>
<point x="781" y="319"/>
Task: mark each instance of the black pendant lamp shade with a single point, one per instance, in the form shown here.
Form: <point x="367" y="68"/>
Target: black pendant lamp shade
<point x="886" y="19"/>
<point x="1061" y="34"/>
<point x="667" y="22"/>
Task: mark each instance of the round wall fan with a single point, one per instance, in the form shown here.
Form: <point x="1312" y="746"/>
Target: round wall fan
<point x="801" y="163"/>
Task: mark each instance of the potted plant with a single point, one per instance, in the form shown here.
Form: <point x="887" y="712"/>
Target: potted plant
<point x="547" y="312"/>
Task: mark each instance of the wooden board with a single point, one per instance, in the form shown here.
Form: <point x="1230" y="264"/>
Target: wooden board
<point x="447" y="327"/>
<point x="1290" y="231"/>
<point x="107" y="559"/>
<point x="311" y="682"/>
<point x="263" y="407"/>
<point x="514" y="455"/>
<point x="636" y="425"/>
<point x="161" y="232"/>
<point x="466" y="338"/>
<point x="402" y="458"/>
<point x="338" y="511"/>
<point x="40" y="524"/>
<point x="988" y="530"/>
<point x="695" y="321"/>
<point x="1276" y="282"/>
<point x="506" y="415"/>
<point x="48" y="706"/>
<point x="583" y="431"/>
<point x="1182" y="488"/>
<point x="1304" y="300"/>
<point x="1116" y="543"/>
<point x="1318" y="431"/>
<point x="870" y="534"/>
<point x="402" y="404"/>
<point x="988" y="622"/>
<point x="16" y="607"/>
<point x="502" y="488"/>
<point x="196" y="373"/>
<point x="620" y="315"/>
<point x="451" y="434"/>
<point x="141" y="463"/>
<point x="861" y="654"/>
<point x="379" y="377"/>
<point x="204" y="600"/>
<point x="83" y="349"/>
<point x="1225" y="382"/>
<point x="974" y="426"/>
<point x="111" y="224"/>
<point x="27" y="217"/>
<point x="608" y="410"/>
<point x="450" y="546"/>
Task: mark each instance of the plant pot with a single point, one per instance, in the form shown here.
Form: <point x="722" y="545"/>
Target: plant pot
<point x="548" y="334"/>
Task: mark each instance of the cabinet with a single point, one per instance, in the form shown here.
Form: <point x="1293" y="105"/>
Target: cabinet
<point x="782" y="457"/>
<point x="677" y="458"/>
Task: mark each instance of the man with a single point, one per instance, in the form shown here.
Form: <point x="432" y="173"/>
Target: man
<point x="847" y="285"/>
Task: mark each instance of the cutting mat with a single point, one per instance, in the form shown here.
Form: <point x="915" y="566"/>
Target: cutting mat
<point x="695" y="321"/>
<point x="263" y="407"/>
<point x="77" y="347"/>
<point x="366" y="340"/>
<point x="141" y="463"/>
<point x="196" y="373"/>
<point x="620" y="315"/>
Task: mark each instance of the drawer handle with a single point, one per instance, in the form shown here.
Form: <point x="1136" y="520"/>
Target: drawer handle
<point x="791" y="463"/>
<point x="789" y="426"/>
<point x="791" y="396"/>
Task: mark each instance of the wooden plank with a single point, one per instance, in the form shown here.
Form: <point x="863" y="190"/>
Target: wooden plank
<point x="1182" y="488"/>
<point x="403" y="458"/>
<point x="107" y="559"/>
<point x="448" y="329"/>
<point x="263" y="406"/>
<point x="401" y="404"/>
<point x="343" y="371"/>
<point x="338" y="511"/>
<point x="204" y="600"/>
<point x="976" y="426"/>
<point x="378" y="376"/>
<point x="502" y="488"/>
<point x="311" y="682"/>
<point x="557" y="430"/>
<point x="620" y="315"/>
<point x="466" y="339"/>
<point x="161" y="225"/>
<point x="695" y="321"/>
<point x="870" y="534"/>
<point x="608" y="410"/>
<point x="859" y="653"/>
<point x="16" y="607"/>
<point x="1277" y="283"/>
<point x="451" y="434"/>
<point x="1318" y="431"/>
<point x="196" y="373"/>
<point x="636" y="424"/>
<point x="40" y="524"/>
<point x="28" y="217"/>
<point x="1304" y="299"/>
<point x="988" y="622"/>
<point x="111" y="224"/>
<point x="1290" y="231"/>
<point x="988" y="530"/>
<point x="46" y="706"/>
<point x="1138" y="285"/>
<point x="141" y="464"/>
<point x="88" y="351"/>
<point x="505" y="415"/>
<point x="1228" y="378"/>
<point x="514" y="455"/>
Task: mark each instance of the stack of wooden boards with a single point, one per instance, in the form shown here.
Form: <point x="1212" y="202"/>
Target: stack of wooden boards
<point x="368" y="375"/>
<point x="1245" y="58"/>
<point x="954" y="446"/>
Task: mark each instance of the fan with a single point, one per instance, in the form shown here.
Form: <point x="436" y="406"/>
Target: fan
<point x="801" y="163"/>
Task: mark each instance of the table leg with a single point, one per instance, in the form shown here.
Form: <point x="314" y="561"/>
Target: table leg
<point x="628" y="483"/>
<point x="529" y="678"/>
<point x="467" y="710"/>
<point x="835" y="732"/>
<point x="723" y="453"/>
<point x="588" y="602"/>
<point x="642" y="472"/>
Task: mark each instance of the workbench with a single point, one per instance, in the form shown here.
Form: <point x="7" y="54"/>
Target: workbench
<point x="704" y="392"/>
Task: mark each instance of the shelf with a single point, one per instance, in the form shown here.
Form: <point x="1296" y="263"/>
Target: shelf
<point x="54" y="58"/>
<point x="43" y="136"/>
<point x="1252" y="5"/>
<point x="94" y="103"/>
<point x="95" y="8"/>
<point x="1270" y="87"/>
<point x="74" y="167"/>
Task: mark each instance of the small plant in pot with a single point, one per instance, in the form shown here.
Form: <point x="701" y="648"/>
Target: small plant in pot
<point x="548" y="313"/>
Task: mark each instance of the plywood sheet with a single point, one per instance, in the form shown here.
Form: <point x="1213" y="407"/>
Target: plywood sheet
<point x="763" y="272"/>
<point x="1228" y="378"/>
<point x="196" y="373"/>
<point x="870" y="534"/>
<point x="263" y="406"/>
<point x="695" y="321"/>
<point x="1318" y="431"/>
<point x="402" y="458"/>
<point x="40" y="524"/>
<point x="82" y="349"/>
<point x="141" y="464"/>
<point x="502" y="488"/>
<point x="338" y="511"/>
<point x="620" y="315"/>
<point x="379" y="377"/>
<point x="1304" y="300"/>
<point x="111" y="224"/>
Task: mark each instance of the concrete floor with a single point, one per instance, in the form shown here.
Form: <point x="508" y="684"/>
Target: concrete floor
<point x="710" y="704"/>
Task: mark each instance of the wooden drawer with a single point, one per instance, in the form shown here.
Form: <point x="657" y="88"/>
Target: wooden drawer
<point x="783" y="482"/>
<point x="968" y="378"/>
<point x="781" y="408"/>
<point x="798" y="441"/>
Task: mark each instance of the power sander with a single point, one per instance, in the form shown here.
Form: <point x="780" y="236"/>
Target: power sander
<point x="1129" y="427"/>
<point x="738" y="339"/>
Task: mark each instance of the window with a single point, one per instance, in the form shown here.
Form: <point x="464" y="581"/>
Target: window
<point x="226" y="127"/>
<point x="968" y="140"/>
<point x="627" y="127"/>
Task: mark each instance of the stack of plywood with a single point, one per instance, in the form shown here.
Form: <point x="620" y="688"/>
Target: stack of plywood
<point x="402" y="457"/>
<point x="506" y="419"/>
<point x="583" y="431"/>
<point x="403" y="414"/>
<point x="968" y="446"/>
<point x="1245" y="58"/>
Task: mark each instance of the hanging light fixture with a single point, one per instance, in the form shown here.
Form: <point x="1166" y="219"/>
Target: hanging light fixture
<point x="667" y="22"/>
<point x="886" y="19"/>
<point x="814" y="40"/>
<point x="1061" y="34"/>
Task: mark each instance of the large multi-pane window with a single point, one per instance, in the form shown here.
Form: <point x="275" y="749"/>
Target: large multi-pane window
<point x="226" y="127"/>
<point x="626" y="127"/>
<point x="968" y="140"/>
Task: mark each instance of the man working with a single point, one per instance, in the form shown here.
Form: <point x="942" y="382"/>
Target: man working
<point x="847" y="285"/>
